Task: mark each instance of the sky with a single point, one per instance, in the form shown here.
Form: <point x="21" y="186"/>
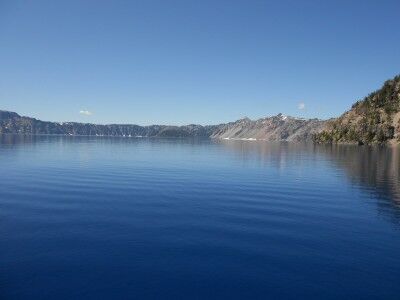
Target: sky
<point x="204" y="62"/>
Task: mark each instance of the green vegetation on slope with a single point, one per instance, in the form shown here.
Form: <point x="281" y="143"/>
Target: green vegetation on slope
<point x="374" y="120"/>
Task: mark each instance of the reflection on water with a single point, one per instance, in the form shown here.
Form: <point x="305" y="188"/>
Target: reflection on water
<point x="375" y="168"/>
<point x="117" y="218"/>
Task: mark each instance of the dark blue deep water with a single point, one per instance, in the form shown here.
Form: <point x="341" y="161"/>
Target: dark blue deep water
<point x="124" y="218"/>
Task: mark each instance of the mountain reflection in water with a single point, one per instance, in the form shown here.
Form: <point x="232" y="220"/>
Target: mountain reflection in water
<point x="375" y="168"/>
<point x="143" y="218"/>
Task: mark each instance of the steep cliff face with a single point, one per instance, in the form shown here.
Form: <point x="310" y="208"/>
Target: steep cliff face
<point x="276" y="128"/>
<point x="375" y="119"/>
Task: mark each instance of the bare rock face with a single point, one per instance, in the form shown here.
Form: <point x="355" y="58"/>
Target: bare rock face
<point x="275" y="128"/>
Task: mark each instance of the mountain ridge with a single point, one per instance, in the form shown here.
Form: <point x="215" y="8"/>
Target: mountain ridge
<point x="274" y="128"/>
<point x="372" y="120"/>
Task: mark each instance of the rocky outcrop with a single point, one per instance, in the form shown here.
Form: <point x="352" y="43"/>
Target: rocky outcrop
<point x="276" y="128"/>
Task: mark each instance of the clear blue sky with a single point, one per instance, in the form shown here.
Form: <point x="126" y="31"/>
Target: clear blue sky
<point x="177" y="62"/>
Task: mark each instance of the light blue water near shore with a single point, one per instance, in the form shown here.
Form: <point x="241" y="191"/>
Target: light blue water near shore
<point x="124" y="218"/>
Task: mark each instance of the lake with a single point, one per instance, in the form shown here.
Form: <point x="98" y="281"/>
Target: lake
<point x="131" y="218"/>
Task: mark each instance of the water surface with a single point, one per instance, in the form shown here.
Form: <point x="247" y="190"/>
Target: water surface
<point x="125" y="218"/>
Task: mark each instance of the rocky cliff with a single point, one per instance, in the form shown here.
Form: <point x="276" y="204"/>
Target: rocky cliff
<point x="275" y="128"/>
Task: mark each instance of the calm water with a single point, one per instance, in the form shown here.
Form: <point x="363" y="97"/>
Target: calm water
<point x="114" y="218"/>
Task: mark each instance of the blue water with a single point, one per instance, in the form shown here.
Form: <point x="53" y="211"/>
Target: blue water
<point x="124" y="218"/>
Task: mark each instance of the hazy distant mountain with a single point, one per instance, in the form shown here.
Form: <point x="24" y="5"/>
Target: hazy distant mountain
<point x="375" y="119"/>
<point x="11" y="122"/>
<point x="276" y="128"/>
